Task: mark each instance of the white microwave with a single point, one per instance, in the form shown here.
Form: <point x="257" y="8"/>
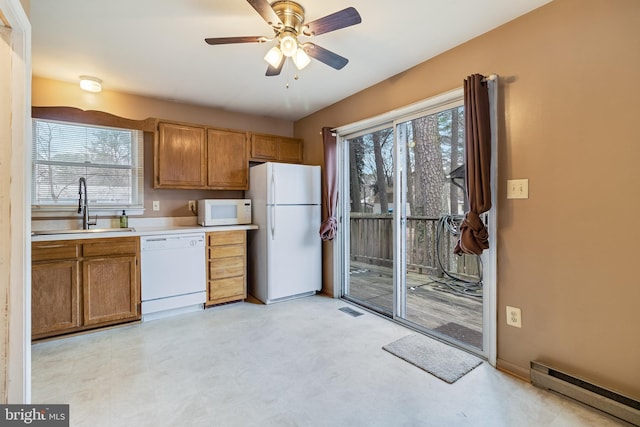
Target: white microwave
<point x="224" y="212"/>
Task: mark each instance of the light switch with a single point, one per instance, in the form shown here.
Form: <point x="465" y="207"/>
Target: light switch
<point x="518" y="189"/>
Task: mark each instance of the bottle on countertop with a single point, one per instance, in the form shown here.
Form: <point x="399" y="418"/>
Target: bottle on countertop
<point x="124" y="220"/>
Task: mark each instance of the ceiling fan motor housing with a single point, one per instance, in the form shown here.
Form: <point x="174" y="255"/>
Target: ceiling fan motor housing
<point x="290" y="13"/>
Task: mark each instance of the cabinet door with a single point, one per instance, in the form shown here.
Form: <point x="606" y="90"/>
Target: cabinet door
<point x="264" y="148"/>
<point x="180" y="157"/>
<point x="110" y="289"/>
<point x="55" y="305"/>
<point x="290" y="150"/>
<point x="228" y="166"/>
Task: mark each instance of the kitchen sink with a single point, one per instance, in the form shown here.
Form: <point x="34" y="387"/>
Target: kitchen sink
<point x="80" y="231"/>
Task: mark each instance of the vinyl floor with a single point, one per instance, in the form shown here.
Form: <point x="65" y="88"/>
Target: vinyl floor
<point x="297" y="363"/>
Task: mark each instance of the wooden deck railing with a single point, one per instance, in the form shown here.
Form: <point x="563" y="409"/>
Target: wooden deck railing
<point x="429" y="249"/>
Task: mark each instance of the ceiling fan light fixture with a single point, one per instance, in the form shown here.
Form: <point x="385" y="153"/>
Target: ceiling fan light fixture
<point x="274" y="56"/>
<point x="288" y="44"/>
<point x="90" y="84"/>
<point x="301" y="59"/>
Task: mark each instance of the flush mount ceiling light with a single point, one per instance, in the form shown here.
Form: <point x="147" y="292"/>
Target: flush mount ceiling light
<point x="90" y="84"/>
<point x="287" y="21"/>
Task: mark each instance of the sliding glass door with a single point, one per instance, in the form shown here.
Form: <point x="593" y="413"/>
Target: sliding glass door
<point x="370" y="177"/>
<point x="406" y="198"/>
<point x="442" y="292"/>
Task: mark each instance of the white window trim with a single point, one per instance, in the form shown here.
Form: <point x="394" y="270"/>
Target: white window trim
<point x="434" y="105"/>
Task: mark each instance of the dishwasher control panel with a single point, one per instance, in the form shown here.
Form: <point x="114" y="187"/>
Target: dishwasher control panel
<point x="172" y="241"/>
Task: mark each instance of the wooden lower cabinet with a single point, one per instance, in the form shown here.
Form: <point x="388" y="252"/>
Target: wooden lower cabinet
<point x="109" y="289"/>
<point x="54" y="297"/>
<point x="83" y="284"/>
<point x="227" y="261"/>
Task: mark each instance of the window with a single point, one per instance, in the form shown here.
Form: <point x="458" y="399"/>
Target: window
<point x="110" y="159"/>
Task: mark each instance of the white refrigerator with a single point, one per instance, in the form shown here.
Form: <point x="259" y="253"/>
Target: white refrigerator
<point x="285" y="252"/>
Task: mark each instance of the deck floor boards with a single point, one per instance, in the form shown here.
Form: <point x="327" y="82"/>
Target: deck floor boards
<point x="430" y="303"/>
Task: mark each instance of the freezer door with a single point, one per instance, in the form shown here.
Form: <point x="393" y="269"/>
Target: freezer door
<point x="294" y="251"/>
<point x="293" y="184"/>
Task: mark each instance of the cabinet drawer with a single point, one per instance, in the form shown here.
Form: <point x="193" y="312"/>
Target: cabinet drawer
<point x="226" y="267"/>
<point x="226" y="251"/>
<point x="224" y="288"/>
<point x="226" y="237"/>
<point x="115" y="246"/>
<point x="45" y="251"/>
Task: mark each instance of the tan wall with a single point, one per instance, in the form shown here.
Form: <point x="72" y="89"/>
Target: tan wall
<point x="26" y="4"/>
<point x="568" y="255"/>
<point x="47" y="92"/>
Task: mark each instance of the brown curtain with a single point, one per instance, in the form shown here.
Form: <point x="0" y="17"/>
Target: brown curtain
<point x="474" y="237"/>
<point x="330" y="193"/>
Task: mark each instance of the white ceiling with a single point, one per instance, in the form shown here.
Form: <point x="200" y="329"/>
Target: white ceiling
<point x="156" y="47"/>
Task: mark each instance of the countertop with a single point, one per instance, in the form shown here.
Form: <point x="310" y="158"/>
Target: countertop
<point x="141" y="231"/>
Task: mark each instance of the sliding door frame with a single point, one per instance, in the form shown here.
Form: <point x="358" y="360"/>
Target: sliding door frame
<point x="341" y="259"/>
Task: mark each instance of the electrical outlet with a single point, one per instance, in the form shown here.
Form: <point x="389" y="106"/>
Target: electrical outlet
<point x="514" y="317"/>
<point x="156" y="205"/>
<point x="192" y="206"/>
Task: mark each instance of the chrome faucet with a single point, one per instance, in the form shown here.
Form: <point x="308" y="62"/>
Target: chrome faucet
<point x="83" y="205"/>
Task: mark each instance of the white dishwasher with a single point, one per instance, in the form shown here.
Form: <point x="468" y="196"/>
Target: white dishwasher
<point x="173" y="274"/>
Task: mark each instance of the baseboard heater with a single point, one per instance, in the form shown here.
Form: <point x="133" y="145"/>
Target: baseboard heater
<point x="605" y="400"/>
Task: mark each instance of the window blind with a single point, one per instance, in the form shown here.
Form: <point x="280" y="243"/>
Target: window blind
<point x="110" y="159"/>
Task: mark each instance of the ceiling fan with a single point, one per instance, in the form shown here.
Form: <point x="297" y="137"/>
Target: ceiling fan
<point x="287" y="20"/>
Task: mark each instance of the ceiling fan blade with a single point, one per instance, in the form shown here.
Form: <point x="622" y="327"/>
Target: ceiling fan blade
<point x="335" y="21"/>
<point x="229" y="40"/>
<point x="326" y="56"/>
<point x="274" y="71"/>
<point x="264" y="9"/>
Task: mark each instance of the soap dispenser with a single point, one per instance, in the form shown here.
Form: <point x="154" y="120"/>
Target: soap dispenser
<point x="124" y="220"/>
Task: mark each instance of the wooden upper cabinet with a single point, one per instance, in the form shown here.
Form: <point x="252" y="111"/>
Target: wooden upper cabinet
<point x="290" y="150"/>
<point x="227" y="164"/>
<point x="180" y="156"/>
<point x="271" y="148"/>
<point x="264" y="148"/>
<point x="199" y="157"/>
<point x="194" y="157"/>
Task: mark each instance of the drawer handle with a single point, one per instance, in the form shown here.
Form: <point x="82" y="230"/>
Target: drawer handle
<point x="50" y="246"/>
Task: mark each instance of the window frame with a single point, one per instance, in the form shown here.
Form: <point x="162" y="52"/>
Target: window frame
<point x="95" y="119"/>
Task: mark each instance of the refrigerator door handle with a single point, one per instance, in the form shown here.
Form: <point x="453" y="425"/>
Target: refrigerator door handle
<point x="273" y="201"/>
<point x="273" y="222"/>
<point x="273" y="188"/>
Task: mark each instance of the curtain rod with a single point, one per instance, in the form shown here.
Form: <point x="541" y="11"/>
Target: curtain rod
<point x="491" y="77"/>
